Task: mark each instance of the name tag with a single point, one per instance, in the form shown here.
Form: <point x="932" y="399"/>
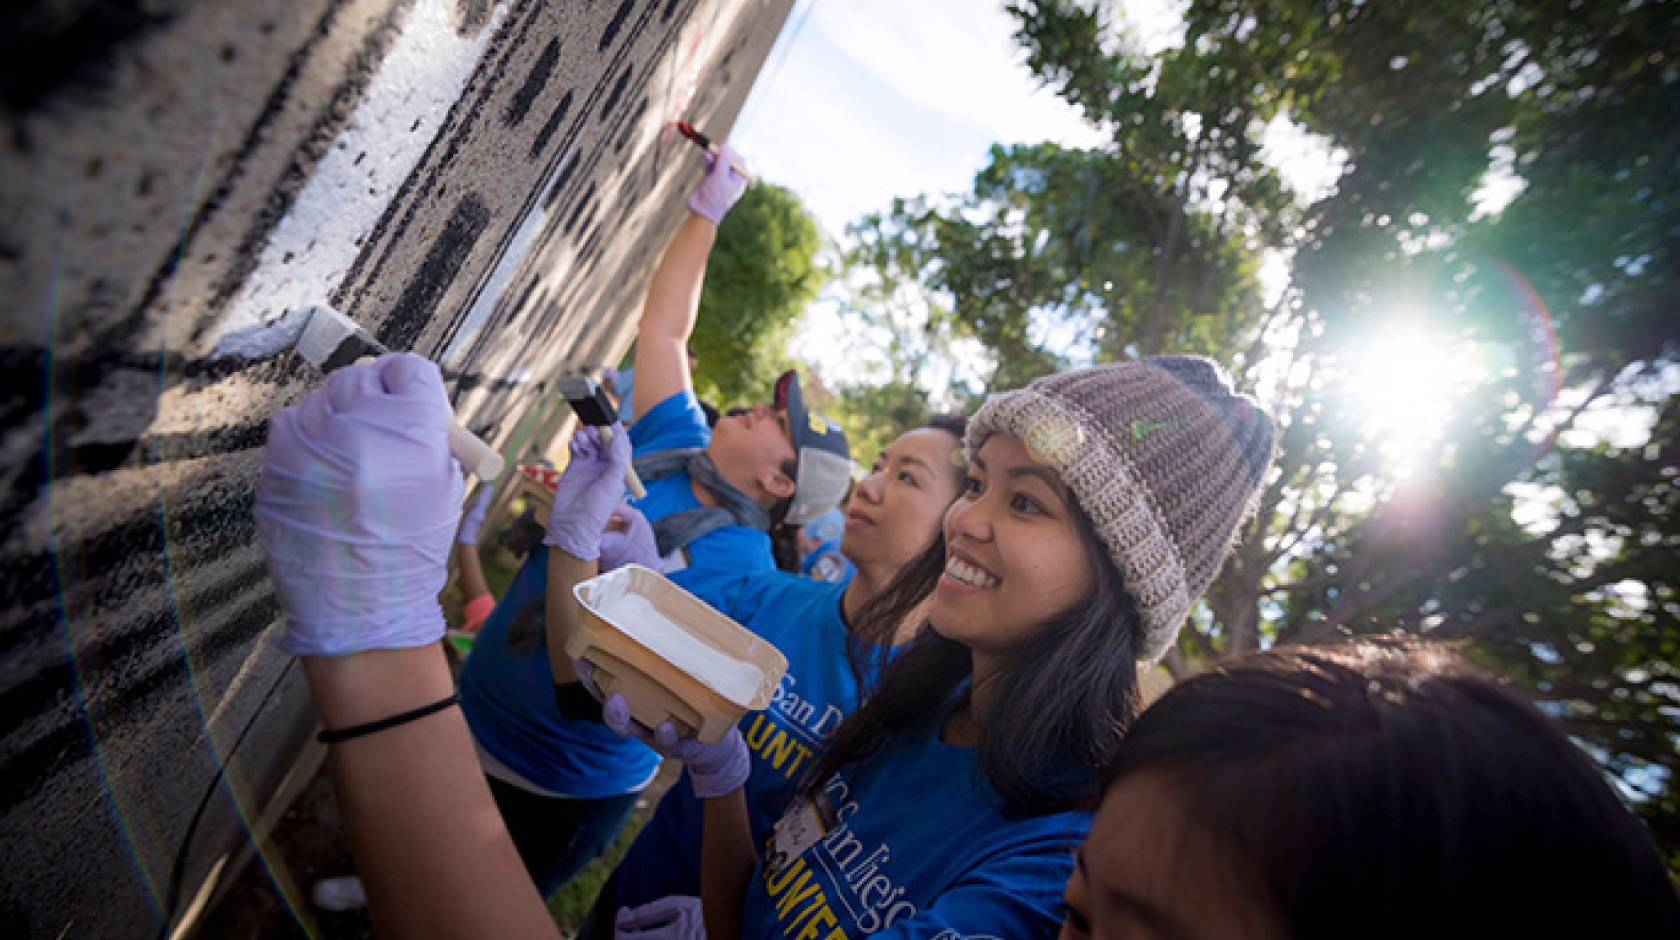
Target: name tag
<point x="800" y="827"/>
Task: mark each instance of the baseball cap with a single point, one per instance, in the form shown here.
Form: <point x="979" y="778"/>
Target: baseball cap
<point x="825" y="459"/>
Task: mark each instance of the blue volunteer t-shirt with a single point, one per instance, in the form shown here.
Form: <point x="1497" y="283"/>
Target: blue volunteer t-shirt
<point x="802" y="618"/>
<point x="508" y="695"/>
<point x="677" y="423"/>
<point x="917" y="845"/>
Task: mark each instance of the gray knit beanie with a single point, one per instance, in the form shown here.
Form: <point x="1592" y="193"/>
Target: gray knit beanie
<point x="1164" y="457"/>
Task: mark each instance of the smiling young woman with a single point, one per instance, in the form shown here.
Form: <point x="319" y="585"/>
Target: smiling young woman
<point x="1098" y="504"/>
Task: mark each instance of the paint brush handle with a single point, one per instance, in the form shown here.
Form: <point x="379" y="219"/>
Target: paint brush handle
<point x="631" y="480"/>
<point x="595" y="410"/>
<point x="475" y="455"/>
<point x="330" y="340"/>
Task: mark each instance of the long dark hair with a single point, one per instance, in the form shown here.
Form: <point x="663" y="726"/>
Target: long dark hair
<point x="869" y="640"/>
<point x="1060" y="704"/>
<point x="1383" y="789"/>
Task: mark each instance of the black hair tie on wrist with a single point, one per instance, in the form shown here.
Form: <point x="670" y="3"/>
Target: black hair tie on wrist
<point x="372" y="727"/>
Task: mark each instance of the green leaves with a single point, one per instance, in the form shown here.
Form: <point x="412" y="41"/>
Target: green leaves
<point x="763" y="273"/>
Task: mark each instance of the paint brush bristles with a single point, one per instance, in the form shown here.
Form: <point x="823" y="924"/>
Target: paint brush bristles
<point x="704" y="142"/>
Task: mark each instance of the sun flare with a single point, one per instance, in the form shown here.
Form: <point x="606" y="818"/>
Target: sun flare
<point x="1406" y="382"/>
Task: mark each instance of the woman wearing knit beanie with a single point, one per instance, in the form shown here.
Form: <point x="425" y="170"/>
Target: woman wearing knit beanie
<point x="1099" y="504"/>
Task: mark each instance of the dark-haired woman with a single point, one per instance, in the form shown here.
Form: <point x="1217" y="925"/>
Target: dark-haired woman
<point x="833" y="643"/>
<point x="1098" y="504"/>
<point x="1376" y="790"/>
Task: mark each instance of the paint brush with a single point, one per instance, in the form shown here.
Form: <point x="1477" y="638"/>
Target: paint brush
<point x="593" y="408"/>
<point x="704" y="142"/>
<point x="330" y="340"/>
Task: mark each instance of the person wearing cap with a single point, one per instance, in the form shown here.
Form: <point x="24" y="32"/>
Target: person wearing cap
<point x="564" y="782"/>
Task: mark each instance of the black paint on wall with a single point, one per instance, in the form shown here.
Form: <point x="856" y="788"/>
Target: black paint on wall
<point x="583" y="205"/>
<point x="617" y="92"/>
<point x="615" y="24"/>
<point x="328" y="122"/>
<point x="630" y="126"/>
<point x="439" y="155"/>
<point x="535" y="81"/>
<point x="558" y="187"/>
<point x="443" y="261"/>
<point x="539" y="144"/>
<point x="46" y="47"/>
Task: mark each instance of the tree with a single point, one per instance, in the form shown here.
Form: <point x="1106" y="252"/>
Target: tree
<point x="764" y="271"/>
<point x="1076" y="238"/>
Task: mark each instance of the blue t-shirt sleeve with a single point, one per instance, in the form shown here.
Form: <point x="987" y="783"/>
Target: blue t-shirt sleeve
<point x="675" y="423"/>
<point x="739" y="596"/>
<point x="1016" y="894"/>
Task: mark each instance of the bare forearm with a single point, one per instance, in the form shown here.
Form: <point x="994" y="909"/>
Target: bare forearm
<point x="416" y="806"/>
<point x="472" y="572"/>
<point x="564" y="572"/>
<point x="668" y="318"/>
<point x="726" y="864"/>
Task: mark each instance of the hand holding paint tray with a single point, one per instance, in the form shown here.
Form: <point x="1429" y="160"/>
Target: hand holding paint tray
<point x="673" y="657"/>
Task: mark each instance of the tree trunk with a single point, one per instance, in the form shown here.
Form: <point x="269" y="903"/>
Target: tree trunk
<point x="1163" y="270"/>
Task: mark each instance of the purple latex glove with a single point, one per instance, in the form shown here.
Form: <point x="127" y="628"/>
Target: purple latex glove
<point x="588" y="492"/>
<point x="714" y="769"/>
<point x="720" y="188"/>
<point x="357" y="506"/>
<point x="678" y="917"/>
<point x="629" y="540"/>
<point x="474" y="519"/>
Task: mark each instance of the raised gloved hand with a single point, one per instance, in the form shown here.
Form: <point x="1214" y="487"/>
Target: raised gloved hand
<point x="357" y="506"/>
<point x="720" y="188"/>
<point x="677" y="917"/>
<point x="629" y="540"/>
<point x="474" y="519"/>
<point x="588" y="492"/>
<point x="713" y="769"/>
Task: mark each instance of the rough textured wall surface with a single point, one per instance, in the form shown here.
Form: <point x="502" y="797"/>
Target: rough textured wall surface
<point x="486" y="183"/>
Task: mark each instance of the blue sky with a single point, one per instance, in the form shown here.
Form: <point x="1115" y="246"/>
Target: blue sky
<point x="864" y="100"/>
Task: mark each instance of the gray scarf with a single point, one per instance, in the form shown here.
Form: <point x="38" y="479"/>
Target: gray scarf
<point x="679" y="529"/>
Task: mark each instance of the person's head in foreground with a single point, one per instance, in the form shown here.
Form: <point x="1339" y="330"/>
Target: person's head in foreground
<point x="1098" y="504"/>
<point x="1373" y="790"/>
<point x="792" y="461"/>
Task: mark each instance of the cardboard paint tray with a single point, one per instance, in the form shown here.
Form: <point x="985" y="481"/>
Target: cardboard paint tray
<point x="657" y="689"/>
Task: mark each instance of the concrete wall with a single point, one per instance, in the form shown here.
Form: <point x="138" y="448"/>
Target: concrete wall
<point x="482" y="182"/>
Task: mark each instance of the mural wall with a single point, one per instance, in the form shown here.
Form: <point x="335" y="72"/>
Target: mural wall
<point x="485" y="183"/>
